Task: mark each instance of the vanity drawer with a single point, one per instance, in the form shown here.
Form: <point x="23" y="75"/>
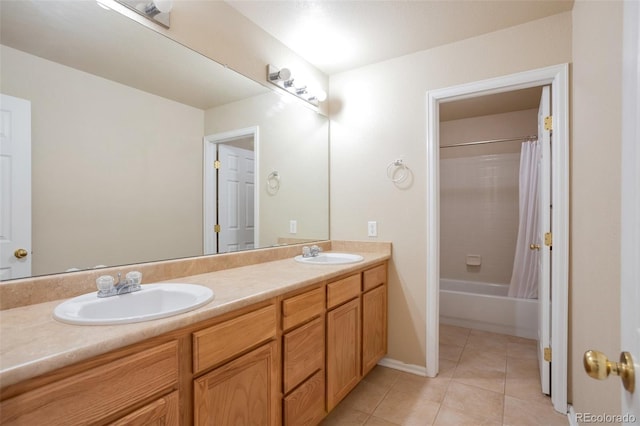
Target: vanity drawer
<point x="223" y="341"/>
<point x="343" y="290"/>
<point x="303" y="353"/>
<point x="91" y="396"/>
<point x="305" y="405"/>
<point x="300" y="308"/>
<point x="374" y="277"/>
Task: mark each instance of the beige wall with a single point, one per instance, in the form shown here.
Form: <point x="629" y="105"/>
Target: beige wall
<point x="293" y="140"/>
<point x="479" y="195"/>
<point x="88" y="170"/>
<point x="595" y="192"/>
<point x="378" y="113"/>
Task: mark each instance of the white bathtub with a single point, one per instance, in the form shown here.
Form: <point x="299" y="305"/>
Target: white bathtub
<point x="485" y="306"/>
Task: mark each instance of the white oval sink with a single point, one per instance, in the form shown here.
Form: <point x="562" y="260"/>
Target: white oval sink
<point x="152" y="302"/>
<point x="330" y="258"/>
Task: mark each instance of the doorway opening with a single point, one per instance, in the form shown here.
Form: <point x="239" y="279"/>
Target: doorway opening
<point x="557" y="225"/>
<point x="230" y="198"/>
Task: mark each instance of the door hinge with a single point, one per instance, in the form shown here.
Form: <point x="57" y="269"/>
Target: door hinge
<point x="216" y="228"/>
<point x="548" y="122"/>
<point x="547" y="354"/>
<point x="548" y="239"/>
<point x="216" y="164"/>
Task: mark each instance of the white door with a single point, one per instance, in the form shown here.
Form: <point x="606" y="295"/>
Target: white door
<point x="236" y="179"/>
<point x="544" y="277"/>
<point x="630" y="223"/>
<point x="15" y="187"/>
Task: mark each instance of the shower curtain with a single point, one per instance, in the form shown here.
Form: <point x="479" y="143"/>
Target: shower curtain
<point x="524" y="279"/>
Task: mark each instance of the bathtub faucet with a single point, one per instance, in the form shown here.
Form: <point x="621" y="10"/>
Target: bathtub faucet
<point x="312" y="251"/>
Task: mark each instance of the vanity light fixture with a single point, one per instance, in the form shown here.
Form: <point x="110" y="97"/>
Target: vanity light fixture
<point x="283" y="79"/>
<point x="158" y="11"/>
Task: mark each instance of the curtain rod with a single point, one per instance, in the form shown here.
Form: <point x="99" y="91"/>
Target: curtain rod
<point x="521" y="138"/>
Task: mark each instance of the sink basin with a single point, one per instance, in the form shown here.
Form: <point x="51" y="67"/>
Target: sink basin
<point x="330" y="259"/>
<point x="152" y="302"/>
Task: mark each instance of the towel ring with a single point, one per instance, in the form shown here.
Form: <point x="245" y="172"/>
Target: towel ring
<point x="397" y="171"/>
<point x="273" y="182"/>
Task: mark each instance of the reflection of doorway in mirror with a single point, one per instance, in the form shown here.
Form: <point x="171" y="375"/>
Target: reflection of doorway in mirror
<point x="230" y="198"/>
<point x="15" y="187"/>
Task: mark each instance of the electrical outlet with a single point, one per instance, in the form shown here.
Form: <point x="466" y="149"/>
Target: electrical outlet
<point x="293" y="226"/>
<point x="372" y="228"/>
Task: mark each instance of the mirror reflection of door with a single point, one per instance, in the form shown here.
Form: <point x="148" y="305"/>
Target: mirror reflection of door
<point x="229" y="188"/>
<point x="15" y="187"/>
<point x="235" y="208"/>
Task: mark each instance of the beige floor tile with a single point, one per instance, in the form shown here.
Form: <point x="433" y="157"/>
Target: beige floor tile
<point x="406" y="409"/>
<point x="365" y="397"/>
<point x="522" y="350"/>
<point x="472" y="357"/>
<point x="452" y="335"/>
<point x="446" y="368"/>
<point x="487" y="342"/>
<point x="523" y="413"/>
<point x="450" y="352"/>
<point x="522" y="368"/>
<point x="432" y="389"/>
<point x="451" y="417"/>
<point x="345" y="416"/>
<point x="468" y="399"/>
<point x="481" y="377"/>
<point x="526" y="389"/>
<point x="382" y="376"/>
<point x="376" y="421"/>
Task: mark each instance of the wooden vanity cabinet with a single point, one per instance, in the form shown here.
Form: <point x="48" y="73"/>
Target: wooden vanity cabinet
<point x="242" y="387"/>
<point x="374" y="316"/>
<point x="97" y="395"/>
<point x="303" y="358"/>
<point x="356" y="329"/>
<point x="343" y="338"/>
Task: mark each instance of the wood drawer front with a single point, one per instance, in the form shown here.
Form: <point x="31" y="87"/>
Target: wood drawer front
<point x="223" y="341"/>
<point x="305" y="405"/>
<point x="343" y="290"/>
<point x="93" y="395"/>
<point x="241" y="392"/>
<point x="298" y="309"/>
<point x="374" y="277"/>
<point x="303" y="353"/>
<point x="161" y="412"/>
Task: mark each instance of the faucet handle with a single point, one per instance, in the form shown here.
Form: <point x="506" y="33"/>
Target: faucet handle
<point x="134" y="277"/>
<point x="105" y="283"/>
<point x="306" y="251"/>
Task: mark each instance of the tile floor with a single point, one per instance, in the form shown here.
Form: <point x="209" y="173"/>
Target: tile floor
<point x="485" y="379"/>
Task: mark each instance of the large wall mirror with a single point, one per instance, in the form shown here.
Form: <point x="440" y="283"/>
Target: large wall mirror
<point x="125" y="128"/>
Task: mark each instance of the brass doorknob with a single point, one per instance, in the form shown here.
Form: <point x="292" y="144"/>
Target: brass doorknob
<point x="534" y="246"/>
<point x="599" y="367"/>
<point x="20" y="253"/>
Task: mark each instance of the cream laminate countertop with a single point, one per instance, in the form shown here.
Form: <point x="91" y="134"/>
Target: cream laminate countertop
<point x="33" y="343"/>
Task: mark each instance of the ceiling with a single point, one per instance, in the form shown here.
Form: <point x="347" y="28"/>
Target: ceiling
<point x="339" y="35"/>
<point x="336" y="36"/>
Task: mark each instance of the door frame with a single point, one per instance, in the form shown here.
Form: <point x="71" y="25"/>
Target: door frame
<point x="630" y="201"/>
<point x="209" y="195"/>
<point x="558" y="77"/>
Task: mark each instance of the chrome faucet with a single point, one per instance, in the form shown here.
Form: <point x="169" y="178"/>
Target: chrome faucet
<point x="107" y="286"/>
<point x="312" y="251"/>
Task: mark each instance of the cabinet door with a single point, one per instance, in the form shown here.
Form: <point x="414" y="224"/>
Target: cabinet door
<point x="374" y="327"/>
<point x="241" y="392"/>
<point x="343" y="351"/>
<point x="161" y="412"/>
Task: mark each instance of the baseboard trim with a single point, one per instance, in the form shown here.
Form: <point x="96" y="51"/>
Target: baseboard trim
<point x="407" y="368"/>
<point x="573" y="420"/>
